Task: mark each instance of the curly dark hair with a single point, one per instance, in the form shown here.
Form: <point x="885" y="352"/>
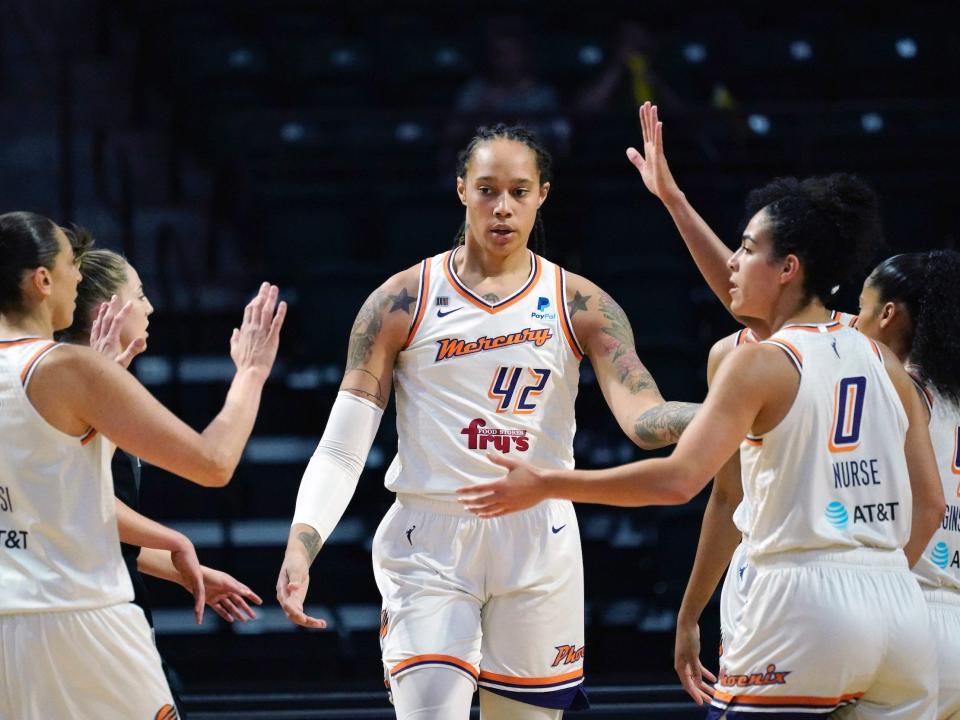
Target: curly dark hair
<point x="525" y="136"/>
<point x="832" y="224"/>
<point x="926" y="284"/>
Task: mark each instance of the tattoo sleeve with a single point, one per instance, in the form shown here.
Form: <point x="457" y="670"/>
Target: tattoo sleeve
<point x="311" y="541"/>
<point x="619" y="345"/>
<point x="663" y="424"/>
<point x="366" y="328"/>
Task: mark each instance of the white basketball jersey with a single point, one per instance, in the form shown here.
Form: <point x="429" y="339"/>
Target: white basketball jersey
<point x="832" y="473"/>
<point x="741" y="516"/>
<point x="939" y="566"/>
<point x="59" y="546"/>
<point x="476" y="378"/>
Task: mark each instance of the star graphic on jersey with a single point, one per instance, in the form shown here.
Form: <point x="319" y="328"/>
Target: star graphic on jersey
<point x="402" y="301"/>
<point x="579" y="302"/>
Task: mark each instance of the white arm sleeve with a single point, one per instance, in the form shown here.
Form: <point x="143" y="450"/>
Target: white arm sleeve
<point x="331" y="476"/>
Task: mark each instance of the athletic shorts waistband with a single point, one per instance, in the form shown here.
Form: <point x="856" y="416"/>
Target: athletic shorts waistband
<point x="941" y="596"/>
<point x="452" y="507"/>
<point x="863" y="557"/>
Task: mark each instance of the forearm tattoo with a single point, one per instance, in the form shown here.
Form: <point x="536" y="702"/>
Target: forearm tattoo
<point x="665" y="423"/>
<point x="311" y="541"/>
<point x="618" y="343"/>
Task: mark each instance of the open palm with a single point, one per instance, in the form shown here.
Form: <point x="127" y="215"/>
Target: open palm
<point x="652" y="163"/>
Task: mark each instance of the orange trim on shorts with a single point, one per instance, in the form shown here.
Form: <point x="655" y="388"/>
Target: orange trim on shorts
<point x="434" y="659"/>
<point x="567" y="324"/>
<point x="784" y="700"/>
<point x="493" y="310"/>
<point x="33" y="361"/>
<point x="514" y="680"/>
<point x="421" y="303"/>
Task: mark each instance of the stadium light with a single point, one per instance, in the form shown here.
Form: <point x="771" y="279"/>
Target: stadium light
<point x="906" y="48"/>
<point x="801" y="50"/>
<point x="871" y="122"/>
<point x="343" y="57"/>
<point x="240" y="58"/>
<point x="694" y="53"/>
<point x="292" y="132"/>
<point x="760" y="124"/>
<point x="590" y="55"/>
<point x="408" y="131"/>
<point x="446" y="57"/>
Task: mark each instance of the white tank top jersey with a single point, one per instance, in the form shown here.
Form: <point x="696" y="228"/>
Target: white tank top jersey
<point x="939" y="566"/>
<point x="476" y="378"/>
<point x="741" y="516"/>
<point x="832" y="473"/>
<point x="59" y="546"/>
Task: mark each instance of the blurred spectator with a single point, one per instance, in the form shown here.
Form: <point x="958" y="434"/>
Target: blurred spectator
<point x="507" y="88"/>
<point x="630" y="79"/>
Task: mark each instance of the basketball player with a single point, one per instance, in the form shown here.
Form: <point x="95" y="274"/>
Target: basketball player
<point x="483" y="344"/>
<point x="72" y="643"/>
<point x="832" y="427"/>
<point x="908" y="302"/>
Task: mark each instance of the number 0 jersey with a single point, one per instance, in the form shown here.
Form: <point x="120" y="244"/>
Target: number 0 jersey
<point x="832" y="473"/>
<point x="59" y="546"/>
<point x="476" y="379"/>
<point x="939" y="566"/>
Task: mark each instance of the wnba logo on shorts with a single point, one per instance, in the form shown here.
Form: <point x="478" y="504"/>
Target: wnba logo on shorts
<point x="167" y="712"/>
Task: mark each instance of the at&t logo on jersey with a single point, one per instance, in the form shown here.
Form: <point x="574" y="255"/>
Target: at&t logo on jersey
<point x="543" y="310"/>
<point x="456" y="347"/>
<point x="838" y="516"/>
<point x="480" y="437"/>
<point x="940" y="556"/>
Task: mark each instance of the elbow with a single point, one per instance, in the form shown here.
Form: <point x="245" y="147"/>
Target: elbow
<point x="218" y="471"/>
<point x="680" y="492"/>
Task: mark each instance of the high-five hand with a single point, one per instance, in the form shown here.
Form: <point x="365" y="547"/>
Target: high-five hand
<point x="652" y="164"/>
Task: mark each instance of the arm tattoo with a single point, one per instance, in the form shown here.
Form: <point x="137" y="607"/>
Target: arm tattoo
<point x="311" y="541"/>
<point x="579" y="302"/>
<point x="663" y="424"/>
<point x="491" y="298"/>
<point x="403" y="301"/>
<point x="619" y="344"/>
<point x="377" y="396"/>
<point x="365" y="329"/>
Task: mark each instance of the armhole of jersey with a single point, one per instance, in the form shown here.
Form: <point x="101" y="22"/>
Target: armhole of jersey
<point x="876" y="350"/>
<point x="27" y="373"/>
<point x="792" y="353"/>
<point x="565" y="323"/>
<point x="421" y="307"/>
<point x="924" y="393"/>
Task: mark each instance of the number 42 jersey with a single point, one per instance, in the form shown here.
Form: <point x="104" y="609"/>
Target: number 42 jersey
<point x="477" y="378"/>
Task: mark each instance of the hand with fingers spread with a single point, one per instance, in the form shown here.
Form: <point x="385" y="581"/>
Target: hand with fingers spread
<point x="522" y="487"/>
<point x="254" y="344"/>
<point x="106" y="329"/>
<point x="693" y="675"/>
<point x="188" y="566"/>
<point x="294" y="578"/>
<point x="228" y="597"/>
<point x="652" y="164"/>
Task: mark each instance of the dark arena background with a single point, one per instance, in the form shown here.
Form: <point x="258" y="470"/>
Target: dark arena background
<point x="312" y="144"/>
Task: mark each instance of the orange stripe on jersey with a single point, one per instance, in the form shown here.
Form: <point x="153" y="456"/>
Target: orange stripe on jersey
<point x="756" y="442"/>
<point x="421" y="302"/>
<point x="514" y="680"/>
<point x="434" y="659"/>
<point x="19" y="341"/>
<point x="745" y="336"/>
<point x="788" y="348"/>
<point x="33" y="360"/>
<point x="467" y="295"/>
<point x="566" y="325"/>
<point x="876" y="350"/>
<point x="785" y="699"/>
<point x="88" y="437"/>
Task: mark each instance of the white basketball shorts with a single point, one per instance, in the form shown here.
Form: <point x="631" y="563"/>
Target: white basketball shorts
<point x="944" y="606"/>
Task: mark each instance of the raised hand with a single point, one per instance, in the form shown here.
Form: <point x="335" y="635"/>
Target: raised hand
<point x="652" y="164"/>
<point x="686" y="661"/>
<point x="254" y="344"/>
<point x="522" y="487"/>
<point x="228" y="597"/>
<point x="105" y="333"/>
